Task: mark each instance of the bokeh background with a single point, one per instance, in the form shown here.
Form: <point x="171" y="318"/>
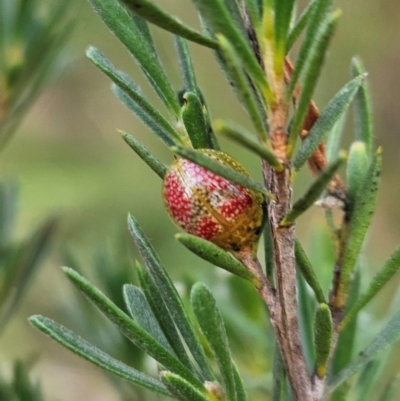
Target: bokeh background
<point x="69" y="160"/>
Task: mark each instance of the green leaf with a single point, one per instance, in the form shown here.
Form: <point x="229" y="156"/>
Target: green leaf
<point x="94" y="355"/>
<point x="157" y="16"/>
<point x="218" y="17"/>
<point x="116" y="17"/>
<point x="254" y="12"/>
<point x="143" y="27"/>
<point x="162" y="314"/>
<point x="360" y="218"/>
<point x="313" y="193"/>
<point x="357" y="166"/>
<point x="241" y="83"/>
<point x="132" y="106"/>
<point x="332" y="144"/>
<point x="306" y="308"/>
<point x="384" y="275"/>
<point x="181" y="389"/>
<point x="369" y="378"/>
<point x="283" y="13"/>
<point x="215" y="255"/>
<point x="386" y="337"/>
<point x="218" y="168"/>
<point x="301" y="23"/>
<point x="278" y="377"/>
<point x="304" y="265"/>
<point x="186" y="64"/>
<point x="141" y="313"/>
<point x="239" y="385"/>
<point x="170" y="296"/>
<point x="315" y="15"/>
<point x="312" y="72"/>
<point x="131" y="329"/>
<point x="211" y="324"/>
<point x="329" y="117"/>
<point x="194" y="121"/>
<point x="159" y="168"/>
<point x="362" y="109"/>
<point x="139" y="104"/>
<point x="323" y="330"/>
<point x="346" y="341"/>
<point x="243" y="137"/>
<point x="21" y="386"/>
<point x="24" y="264"/>
<point x="235" y="15"/>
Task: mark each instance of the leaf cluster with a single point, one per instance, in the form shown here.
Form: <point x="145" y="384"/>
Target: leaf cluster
<point x="30" y="45"/>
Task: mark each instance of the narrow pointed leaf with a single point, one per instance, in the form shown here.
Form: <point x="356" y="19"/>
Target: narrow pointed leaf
<point x="211" y="324"/>
<point x="132" y="106"/>
<point x="186" y="64"/>
<point x="360" y="218"/>
<point x="314" y="17"/>
<point x="314" y="192"/>
<point x="254" y="12"/>
<point x="239" y="385"/>
<point x="116" y="17"/>
<point x="141" y="313"/>
<point x="129" y="328"/>
<point x="346" y="343"/>
<point x="306" y="308"/>
<point x="143" y="26"/>
<point x="283" y="13"/>
<point x="388" y="270"/>
<point x="159" y="168"/>
<point x="181" y="389"/>
<point x="217" y="16"/>
<point x="313" y="69"/>
<point x="304" y="265"/>
<point x="357" y="166"/>
<point x="150" y="116"/>
<point x="215" y="255"/>
<point x="332" y="144"/>
<point x="362" y="109"/>
<point x="300" y="24"/>
<point x="218" y="168"/>
<point x="323" y="331"/>
<point x="157" y="16"/>
<point x="329" y="117"/>
<point x="162" y="314"/>
<point x="194" y="121"/>
<point x="24" y="265"/>
<point x="243" y="137"/>
<point x="278" y="377"/>
<point x="385" y="338"/>
<point x="369" y="377"/>
<point x="235" y="15"/>
<point x="170" y="296"/>
<point x="94" y="355"/>
<point x="242" y="85"/>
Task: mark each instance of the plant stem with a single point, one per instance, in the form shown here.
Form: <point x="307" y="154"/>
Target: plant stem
<point x="287" y="332"/>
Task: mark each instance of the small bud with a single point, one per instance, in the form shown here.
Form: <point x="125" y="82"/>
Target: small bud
<point x="209" y="206"/>
<point x="215" y="389"/>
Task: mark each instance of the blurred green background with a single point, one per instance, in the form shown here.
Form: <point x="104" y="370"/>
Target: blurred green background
<point x="69" y="159"/>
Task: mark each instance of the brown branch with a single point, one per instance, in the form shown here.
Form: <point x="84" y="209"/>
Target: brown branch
<point x="287" y="333"/>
